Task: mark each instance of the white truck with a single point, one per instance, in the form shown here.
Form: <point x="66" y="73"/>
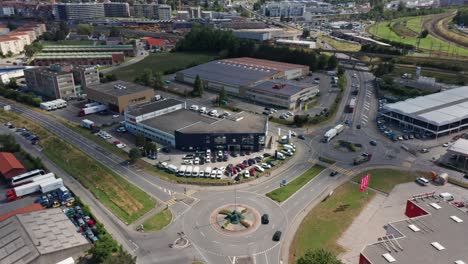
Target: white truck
<point x="44" y="177"/>
<point x="45" y="185"/>
<point x="60" y="103"/>
<point x="330" y="134"/>
<point x="91" y="110"/>
<point x="86" y="123"/>
<point x="182" y="170"/>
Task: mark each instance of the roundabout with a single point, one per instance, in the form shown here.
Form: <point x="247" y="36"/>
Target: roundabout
<point x="228" y="224"/>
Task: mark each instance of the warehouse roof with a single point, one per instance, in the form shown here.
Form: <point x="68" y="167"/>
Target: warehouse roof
<point x="118" y="88"/>
<point x="86" y="48"/>
<point x="25" y="237"/>
<point x="184" y="118"/>
<point x="440" y="225"/>
<point x="286" y="88"/>
<point x="9" y="162"/>
<point x="266" y="64"/>
<point x="152" y="107"/>
<point x="439" y="109"/>
<point x="460" y="147"/>
<point x="77" y="55"/>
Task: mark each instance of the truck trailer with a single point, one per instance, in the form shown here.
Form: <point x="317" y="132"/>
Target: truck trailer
<point x="352" y="105"/>
<point x="51" y="185"/>
<point x="45" y="106"/>
<point x="92" y="110"/>
<point x="43" y="186"/>
<point x="330" y="134"/>
<point x="86" y="123"/>
<point x="91" y="104"/>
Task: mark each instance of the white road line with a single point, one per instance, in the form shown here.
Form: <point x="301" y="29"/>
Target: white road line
<point x="266" y="258"/>
<point x="203" y="234"/>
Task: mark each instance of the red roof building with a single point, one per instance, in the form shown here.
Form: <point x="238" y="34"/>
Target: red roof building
<point x="152" y="43"/>
<point x="10" y="166"/>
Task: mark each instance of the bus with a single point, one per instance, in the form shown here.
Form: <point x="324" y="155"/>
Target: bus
<point x="25" y="177"/>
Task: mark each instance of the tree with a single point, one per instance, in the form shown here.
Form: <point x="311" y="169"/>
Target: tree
<point x="146" y="77"/>
<point x="35" y="47"/>
<point x="114" y="32"/>
<point x="122" y="257"/>
<point x="47" y="36"/>
<point x="103" y="248"/>
<point x="332" y="62"/>
<point x="322" y="61"/>
<point x="85" y="29"/>
<point x="13" y="84"/>
<point x="207" y="4"/>
<point x="134" y="154"/>
<point x="150" y="148"/>
<point x="401" y="6"/>
<point x="9" y="54"/>
<point x="319" y="256"/>
<point x="223" y="94"/>
<point x="158" y="81"/>
<point x="140" y="140"/>
<point x="341" y="70"/>
<point x="423" y="34"/>
<point x="305" y="33"/>
<point x="197" y="87"/>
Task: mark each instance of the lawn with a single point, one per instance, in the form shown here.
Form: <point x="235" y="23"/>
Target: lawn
<point x="383" y="30"/>
<point x="322" y="227"/>
<point x="124" y="199"/>
<point x="341" y="45"/>
<point x="69" y="42"/>
<point x="283" y="193"/>
<point x="158" y="221"/>
<point x="386" y="179"/>
<point x="163" y="62"/>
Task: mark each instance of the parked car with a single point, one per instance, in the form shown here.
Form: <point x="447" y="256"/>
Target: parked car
<point x="422" y="181"/>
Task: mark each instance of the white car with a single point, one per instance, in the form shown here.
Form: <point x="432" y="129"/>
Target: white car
<point x="445" y="145"/>
<point x="196" y="161"/>
<point x="202" y="110"/>
<point x="115" y="116"/>
<point x="354" y="75"/>
<point x="219" y="174"/>
<point x="194" y="107"/>
<point x="246" y="174"/>
<point x="121" y="145"/>
<point x="258" y="168"/>
<point x="214" y="172"/>
<point x="201" y="174"/>
<point x="266" y="166"/>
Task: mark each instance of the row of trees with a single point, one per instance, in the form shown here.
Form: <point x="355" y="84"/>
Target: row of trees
<point x="144" y="148"/>
<point x="108" y="77"/>
<point x="462" y="17"/>
<point x="30" y="50"/>
<point x="378" y="11"/>
<point x="227" y="45"/>
<point x="373" y="48"/>
<point x="60" y="33"/>
<point x="387" y="83"/>
<point x="151" y="79"/>
<point x="27" y="98"/>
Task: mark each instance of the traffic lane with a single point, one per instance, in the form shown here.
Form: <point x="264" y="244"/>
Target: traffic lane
<point x="153" y="185"/>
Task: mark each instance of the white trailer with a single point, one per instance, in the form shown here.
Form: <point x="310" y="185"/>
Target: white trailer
<point x="44" y="177"/>
<point x="52" y="185"/>
<point x="91" y="104"/>
<point x="172" y="168"/>
<point x="188" y="172"/>
<point x="45" y="106"/>
<point x="91" y="110"/>
<point x="60" y="103"/>
<point x="86" y="123"/>
<point x="30" y="187"/>
<point x="196" y="171"/>
<point x="182" y="170"/>
<point x="329" y="135"/>
<point x="339" y="128"/>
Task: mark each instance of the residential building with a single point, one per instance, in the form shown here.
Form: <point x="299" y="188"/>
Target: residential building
<point x="195" y="131"/>
<point x="10" y="166"/>
<point x="164" y="12"/>
<point x="6" y="11"/>
<point x="116" y="9"/>
<point x="58" y="81"/>
<point x="283" y="9"/>
<point x="78" y="11"/>
<point x="145" y="10"/>
<point x="119" y="95"/>
<point x="44" y="236"/>
<point x="14" y="41"/>
<point x="183" y="15"/>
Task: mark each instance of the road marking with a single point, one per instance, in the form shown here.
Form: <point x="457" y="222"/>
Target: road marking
<point x="407" y="164"/>
<point x="191" y="192"/>
<point x="203" y="234"/>
<point x="171" y="202"/>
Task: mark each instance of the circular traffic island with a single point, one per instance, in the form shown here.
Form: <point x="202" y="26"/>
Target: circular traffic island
<point x="235" y="219"/>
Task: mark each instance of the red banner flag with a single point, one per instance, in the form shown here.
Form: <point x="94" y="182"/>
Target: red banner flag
<point x="364" y="182"/>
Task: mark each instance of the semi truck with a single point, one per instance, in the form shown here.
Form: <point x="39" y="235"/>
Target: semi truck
<point x="43" y="186"/>
<point x="330" y="134"/>
<point x="86" y="123"/>
<point x="365" y="157"/>
<point x="91" y="110"/>
<point x="352" y="105"/>
<point x="91" y="104"/>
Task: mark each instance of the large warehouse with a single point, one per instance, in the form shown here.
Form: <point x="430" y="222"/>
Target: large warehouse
<point x="238" y="75"/>
<point x="436" y="114"/>
<point x="195" y="131"/>
<point x="119" y="95"/>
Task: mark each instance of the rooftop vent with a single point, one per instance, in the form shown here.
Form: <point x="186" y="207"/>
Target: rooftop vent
<point x="436" y="206"/>
<point x="437" y="246"/>
<point x="456" y="218"/>
<point x="414" y="228"/>
<point x="389" y="257"/>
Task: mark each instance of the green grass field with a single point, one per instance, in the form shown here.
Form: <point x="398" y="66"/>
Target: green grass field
<point x="283" y="193"/>
<point x="383" y="30"/>
<point x="124" y="199"/>
<point x="341" y="45"/>
<point x="163" y="62"/>
<point x="327" y="221"/>
<point x="386" y="179"/>
<point x="158" y="221"/>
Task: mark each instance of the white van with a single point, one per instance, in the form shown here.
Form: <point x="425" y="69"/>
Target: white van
<point x="188" y="172"/>
<point x="213" y="173"/>
<point x="445" y="196"/>
<point x="172" y="168"/>
<point x="422" y="181"/>
<point x="202" y="110"/>
<point x="289" y="147"/>
<point x="280" y="156"/>
<point x="195" y="172"/>
<point x="207" y="171"/>
<point x="182" y="170"/>
<point x="194" y="107"/>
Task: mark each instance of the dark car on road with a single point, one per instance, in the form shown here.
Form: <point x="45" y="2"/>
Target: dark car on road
<point x="277" y="236"/>
<point x="301" y="136"/>
<point x="265" y="219"/>
<point x="333" y="173"/>
<point x="373" y="143"/>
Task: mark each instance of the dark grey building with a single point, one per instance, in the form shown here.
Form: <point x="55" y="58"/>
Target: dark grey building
<point x="78" y="11"/>
<point x="116" y="9"/>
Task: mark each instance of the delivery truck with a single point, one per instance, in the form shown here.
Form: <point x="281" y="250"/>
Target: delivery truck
<point x="86" y="123"/>
<point x="45" y="106"/>
<point x="330" y="134"/>
<point x="91" y="110"/>
<point x="43" y="186"/>
<point x="352" y="105"/>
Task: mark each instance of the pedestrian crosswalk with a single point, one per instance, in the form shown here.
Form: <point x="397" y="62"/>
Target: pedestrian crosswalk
<point x="341" y="170"/>
<point x="171" y="202"/>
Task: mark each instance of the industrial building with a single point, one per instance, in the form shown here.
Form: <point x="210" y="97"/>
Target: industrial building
<point x="355" y="37"/>
<point x="262" y="34"/>
<point x="160" y="12"/>
<point x="435" y="232"/>
<point x="196" y="131"/>
<point x="11" y="72"/>
<point x="10" y="166"/>
<point x="245" y="78"/>
<point x="283" y="9"/>
<point x="119" y="95"/>
<point x="127" y="50"/>
<point x="435" y="115"/>
<point x="58" y="81"/>
<point x="81" y="58"/>
<point x="113" y="9"/>
<point x="296" y="43"/>
<point x="45" y="236"/>
<point x="289" y="95"/>
<point x="78" y="11"/>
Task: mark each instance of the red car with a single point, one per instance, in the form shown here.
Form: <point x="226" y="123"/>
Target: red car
<point x="252" y="171"/>
<point x="116" y="142"/>
<point x="458" y="204"/>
